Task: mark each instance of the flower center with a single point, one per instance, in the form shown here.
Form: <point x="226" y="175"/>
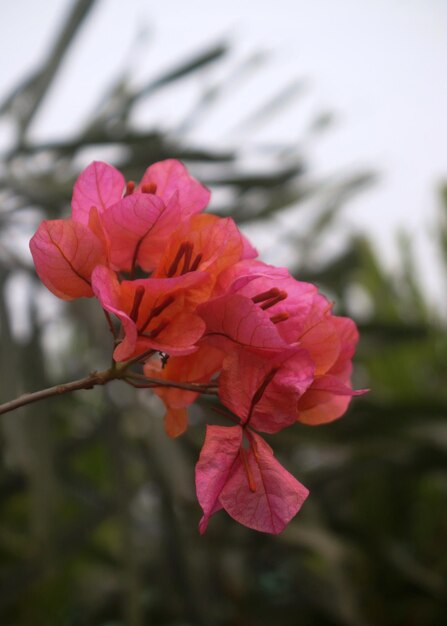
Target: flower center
<point x="185" y="255"/>
<point x="269" y="298"/>
<point x="155" y="312"/>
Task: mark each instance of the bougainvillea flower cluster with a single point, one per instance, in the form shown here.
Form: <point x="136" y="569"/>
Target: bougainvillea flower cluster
<point x="185" y="295"/>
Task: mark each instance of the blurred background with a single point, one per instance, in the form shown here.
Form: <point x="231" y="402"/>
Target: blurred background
<point x="320" y="128"/>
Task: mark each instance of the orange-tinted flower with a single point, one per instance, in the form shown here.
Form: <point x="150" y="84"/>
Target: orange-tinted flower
<point x="154" y="313"/>
<point x="206" y="243"/>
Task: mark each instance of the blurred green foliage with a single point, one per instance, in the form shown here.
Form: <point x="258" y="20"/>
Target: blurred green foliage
<point x="98" y="520"/>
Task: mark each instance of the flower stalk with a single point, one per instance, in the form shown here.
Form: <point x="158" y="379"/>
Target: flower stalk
<point x="118" y="371"/>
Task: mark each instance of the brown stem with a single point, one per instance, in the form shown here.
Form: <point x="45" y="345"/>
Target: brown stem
<point x="88" y="382"/>
<point x="147" y="382"/>
<point x="117" y="371"/>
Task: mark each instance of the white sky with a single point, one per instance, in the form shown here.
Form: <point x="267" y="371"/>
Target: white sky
<point x="379" y="65"/>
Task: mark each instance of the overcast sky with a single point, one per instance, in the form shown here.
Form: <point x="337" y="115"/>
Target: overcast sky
<point x="379" y="65"/>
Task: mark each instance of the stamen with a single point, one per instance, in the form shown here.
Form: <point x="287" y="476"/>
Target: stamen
<point x="187" y="259"/>
<point x="260" y="392"/>
<point x="279" y="317"/>
<point x="174" y="265"/>
<point x="149" y="188"/>
<point x="281" y="296"/>
<point x="266" y="295"/>
<point x="156" y="311"/>
<point x="196" y="263"/>
<point x="185" y="252"/>
<point x="129" y="188"/>
<point x="248" y="472"/>
<point x="254" y="447"/>
<point x="161" y="307"/>
<point x="139" y="293"/>
<point x="157" y="330"/>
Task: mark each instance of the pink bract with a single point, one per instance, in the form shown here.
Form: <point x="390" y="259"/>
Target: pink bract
<point x="161" y="321"/>
<point x="65" y="254"/>
<point x="100" y="185"/>
<point x="234" y="320"/>
<point x="171" y="177"/>
<point x="264" y="391"/>
<point x="249" y="484"/>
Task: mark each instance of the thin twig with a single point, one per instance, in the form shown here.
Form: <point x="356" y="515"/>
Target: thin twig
<point x="88" y="382"/>
<point x="117" y="371"/>
<point x="157" y="382"/>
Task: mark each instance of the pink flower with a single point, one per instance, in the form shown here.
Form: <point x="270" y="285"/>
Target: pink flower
<point x="100" y="185"/>
<point x="263" y="391"/>
<point x="249" y="484"/>
<point x="107" y="228"/>
<point x="265" y="310"/>
<point x="154" y="313"/>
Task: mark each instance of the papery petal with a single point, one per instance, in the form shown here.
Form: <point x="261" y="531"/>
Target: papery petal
<point x="179" y="337"/>
<point x="332" y="384"/>
<point x="349" y="336"/>
<point x="248" y="250"/>
<point x="252" y="278"/>
<point x="264" y="391"/>
<point x="318" y="407"/>
<point x="277" y="498"/>
<point x="180" y="328"/>
<point x="108" y="291"/>
<point x="100" y="185"/>
<point x="323" y="344"/>
<point x="65" y="254"/>
<point x="236" y="321"/>
<point x="204" y="242"/>
<point x="160" y="287"/>
<point x="171" y="176"/>
<point x="234" y="278"/>
<point x="296" y="306"/>
<point x="219" y="454"/>
<point x="136" y="226"/>
<point x="96" y="226"/>
<point x="327" y="399"/>
<point x="176" y="422"/>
